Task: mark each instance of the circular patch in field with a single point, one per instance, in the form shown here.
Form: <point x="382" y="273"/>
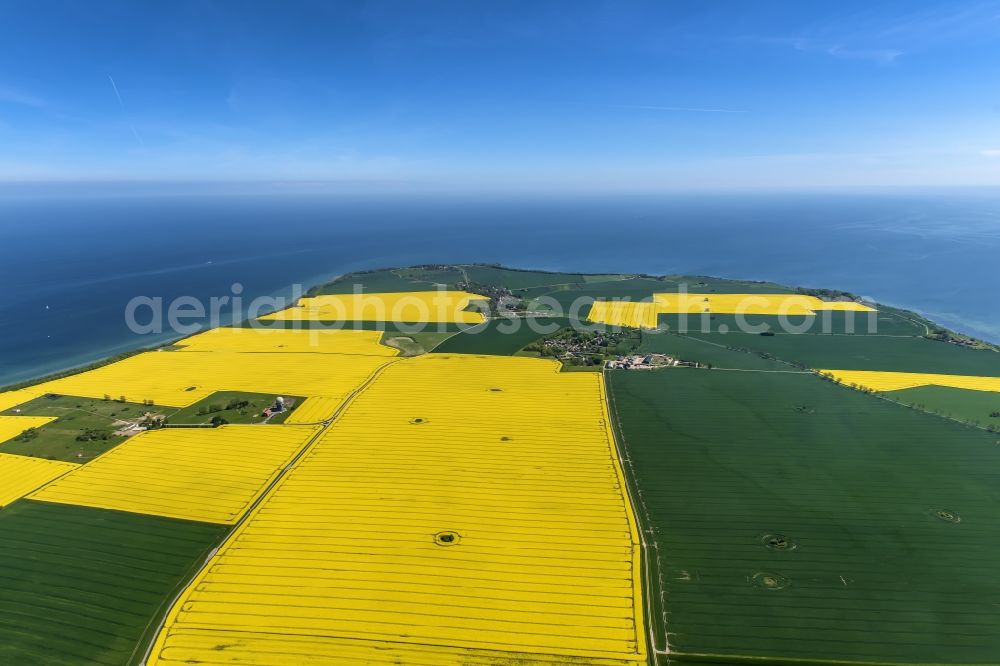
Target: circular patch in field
<point x="947" y="515"/>
<point x="769" y="581"/>
<point x="418" y="420"/>
<point x="778" y="542"/>
<point x="447" y="538"/>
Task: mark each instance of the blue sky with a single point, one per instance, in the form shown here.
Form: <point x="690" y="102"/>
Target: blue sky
<point x="476" y="95"/>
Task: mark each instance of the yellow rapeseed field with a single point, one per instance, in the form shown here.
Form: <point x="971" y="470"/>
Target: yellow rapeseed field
<point x="644" y="315"/>
<point x="315" y="409"/>
<point x="460" y="510"/>
<point x="842" y="306"/>
<point x="408" y="306"/>
<point x="624" y="313"/>
<point x="12" y="426"/>
<point x="895" y="381"/>
<point x="206" y="474"/>
<point x="11" y="399"/>
<point x="19" y="475"/>
<point x="289" y="340"/>
<point x="750" y="304"/>
<point x="182" y="378"/>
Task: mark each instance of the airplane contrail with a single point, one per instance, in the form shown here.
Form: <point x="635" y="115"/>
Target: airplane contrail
<point x="125" y="113"/>
<point x="115" y="88"/>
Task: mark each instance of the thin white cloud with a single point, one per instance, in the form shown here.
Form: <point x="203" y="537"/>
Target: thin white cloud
<point x="990" y="152"/>
<point x="945" y="22"/>
<point x="11" y="95"/>
<point x="883" y="36"/>
<point x="694" y="109"/>
<point x="881" y="56"/>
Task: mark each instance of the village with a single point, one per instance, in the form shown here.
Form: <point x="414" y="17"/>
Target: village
<point x="613" y="349"/>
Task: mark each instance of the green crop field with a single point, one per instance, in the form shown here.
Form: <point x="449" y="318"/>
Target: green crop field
<point x="687" y="348"/>
<point x="83" y="430"/>
<point x="373" y="282"/>
<point x="501" y="337"/>
<point x="516" y="279"/>
<point x="87" y="586"/>
<point x="609" y="277"/>
<point x="823" y="323"/>
<point x="962" y="404"/>
<point x="633" y="288"/>
<point x="433" y="276"/>
<point x="701" y="284"/>
<point x="867" y="352"/>
<point x="796" y="519"/>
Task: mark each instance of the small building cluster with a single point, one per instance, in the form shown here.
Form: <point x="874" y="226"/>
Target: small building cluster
<point x="276" y="408"/>
<point x="648" y="362"/>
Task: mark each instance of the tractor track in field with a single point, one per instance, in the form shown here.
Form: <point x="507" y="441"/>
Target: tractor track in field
<point x="161" y="617"/>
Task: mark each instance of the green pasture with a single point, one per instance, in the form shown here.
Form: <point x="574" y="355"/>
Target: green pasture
<point x="414" y="344"/>
<point x="796" y="520"/>
<point x="229" y="405"/>
<point x="88" y="586"/>
<point x="83" y="429"/>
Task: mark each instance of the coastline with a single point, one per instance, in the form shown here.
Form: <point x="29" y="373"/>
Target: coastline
<point x="145" y="344"/>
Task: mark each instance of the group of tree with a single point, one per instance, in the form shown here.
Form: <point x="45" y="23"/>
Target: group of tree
<point x="214" y="407"/>
<point x="93" y="435"/>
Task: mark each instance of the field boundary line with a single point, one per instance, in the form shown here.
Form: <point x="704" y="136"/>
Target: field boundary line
<point x="779" y="372"/>
<point x="779" y="660"/>
<point x="634" y="497"/>
<point x="251" y="510"/>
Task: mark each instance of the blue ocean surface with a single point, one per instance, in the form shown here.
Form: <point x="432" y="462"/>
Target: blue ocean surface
<point x="70" y="264"/>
